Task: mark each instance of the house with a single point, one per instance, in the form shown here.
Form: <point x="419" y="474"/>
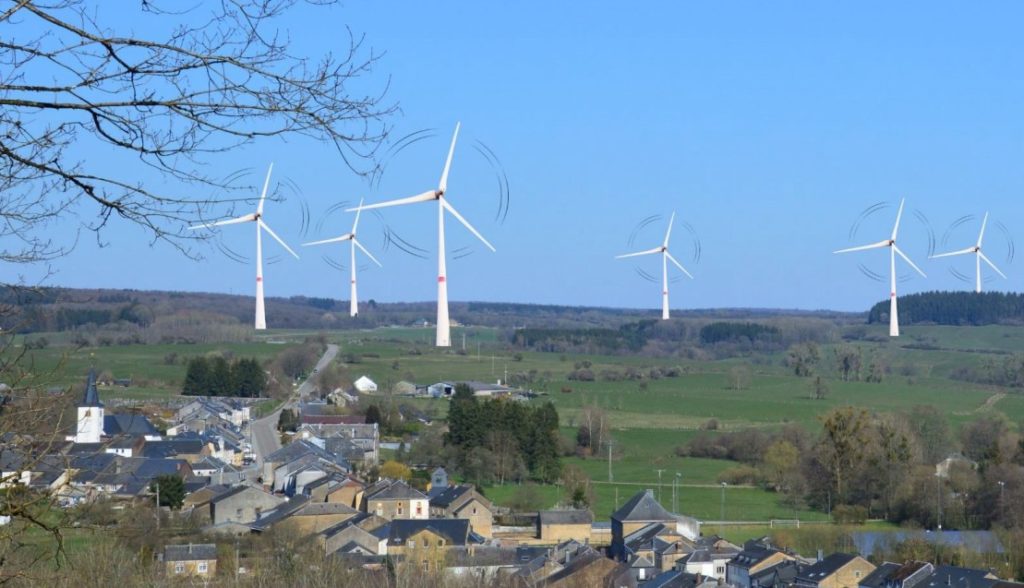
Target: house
<point x="749" y="567"/>
<point x="196" y="505"/>
<point x="426" y="543"/>
<point x="709" y="558"/>
<point x="587" y="568"/>
<point x="957" y="577"/>
<point x="363" y="533"/>
<point x="193" y="559"/>
<point x="638" y="512"/>
<point x="305" y="517"/>
<point x="293" y="452"/>
<point x="464" y="502"/>
<point x="242" y="505"/>
<point x="365" y="436"/>
<point x="782" y="575"/>
<point x="839" y="570"/>
<point x="438" y="482"/>
<point x="394" y="499"/>
<point x="365" y="385"/>
<point x="894" y="575"/>
<point x="657" y="543"/>
<point x="189" y="449"/>
<point x="556" y="526"/>
<point x="337" y="488"/>
<point x="480" y="389"/>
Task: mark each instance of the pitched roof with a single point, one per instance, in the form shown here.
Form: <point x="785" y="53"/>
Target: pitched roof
<point x="91" y="397"/>
<point x="455" y="531"/>
<point x="820" y="570"/>
<point x="172" y="447"/>
<point x="449" y="495"/>
<point x="190" y="552"/>
<point x="957" y="577"/>
<point x="878" y="577"/>
<point x="643" y="507"/>
<point x="565" y="517"/>
<point x="128" y="424"/>
<point x="394" y="490"/>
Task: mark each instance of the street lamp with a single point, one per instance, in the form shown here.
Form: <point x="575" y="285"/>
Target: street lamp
<point x="721" y="517"/>
<point x="1002" y="503"/>
<point x="675" y="492"/>
<point x="938" y="497"/>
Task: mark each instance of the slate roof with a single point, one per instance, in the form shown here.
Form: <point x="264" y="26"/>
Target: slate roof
<point x="957" y="577"/>
<point x="673" y="579"/>
<point x="642" y="507"/>
<point x="172" y="447"/>
<point x="818" y="571"/>
<point x="753" y="553"/>
<point x="128" y="424"/>
<point x="394" y="490"/>
<point x="878" y="577"/>
<point x="91" y="397"/>
<point x="455" y="531"/>
<point x="190" y="552"/>
<point x="784" y="573"/>
<point x="299" y="449"/>
<point x="564" y="517"/>
<point x="448" y="495"/>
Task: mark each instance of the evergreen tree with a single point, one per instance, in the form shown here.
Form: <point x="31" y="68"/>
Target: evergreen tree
<point x="248" y="378"/>
<point x="220" y="380"/>
<point x="197" y="377"/>
<point x="373" y="414"/>
<point x="171" y="489"/>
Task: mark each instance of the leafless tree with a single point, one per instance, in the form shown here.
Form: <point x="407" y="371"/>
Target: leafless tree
<point x="211" y="77"/>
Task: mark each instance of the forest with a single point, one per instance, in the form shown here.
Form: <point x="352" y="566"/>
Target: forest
<point x="955" y="308"/>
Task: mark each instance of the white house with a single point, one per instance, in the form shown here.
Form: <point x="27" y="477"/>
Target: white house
<point x="365" y="385"/>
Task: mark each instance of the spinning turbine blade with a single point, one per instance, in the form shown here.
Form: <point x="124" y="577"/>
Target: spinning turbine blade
<point x="678" y="265"/>
<point x="981" y="235"/>
<point x="991" y="265"/>
<point x="266" y="184"/>
<point x="896" y="227"/>
<point x="668" y="233"/>
<point x="424" y="197"/>
<point x="443" y="185"/>
<point x="270" y="232"/>
<point x="456" y="214"/>
<point x="907" y="259"/>
<point x="358" y="212"/>
<point x="344" y="237"/>
<point x="231" y="221"/>
<point x="952" y="253"/>
<point x="638" y="253"/>
<point x="368" y="254"/>
<point x="878" y="245"/>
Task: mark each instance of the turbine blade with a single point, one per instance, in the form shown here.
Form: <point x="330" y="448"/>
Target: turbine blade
<point x="443" y="185"/>
<point x="952" y="253"/>
<point x="864" y="247"/>
<point x="896" y="227"/>
<point x="368" y="254"/>
<point x="668" y="233"/>
<point x="907" y="259"/>
<point x="266" y="184"/>
<point x="247" y="218"/>
<point x="424" y="197"/>
<point x="345" y="237"/>
<point x="981" y="235"/>
<point x="456" y="214"/>
<point x="359" y="211"/>
<point x="991" y="265"/>
<point x="678" y="265"/>
<point x="269" y="231"/>
<point x="638" y="253"/>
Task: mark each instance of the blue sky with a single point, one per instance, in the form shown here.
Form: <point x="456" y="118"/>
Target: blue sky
<point x="768" y="127"/>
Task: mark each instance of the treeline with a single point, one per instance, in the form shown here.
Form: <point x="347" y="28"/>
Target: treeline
<point x="508" y="440"/>
<point x="1007" y="371"/>
<point x="955" y="308"/>
<point x="627" y="337"/>
<point x="216" y="376"/>
<point x="721" y="332"/>
<point x="908" y="468"/>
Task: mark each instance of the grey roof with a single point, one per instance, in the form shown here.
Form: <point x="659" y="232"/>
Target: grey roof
<point x="92" y="395"/>
<point x="673" y="579"/>
<point x="879" y="575"/>
<point x="302" y="448"/>
<point x="455" y="531"/>
<point x="957" y="577"/>
<point x="172" y="447"/>
<point x="565" y="517"/>
<point x="128" y="424"/>
<point x="643" y="507"/>
<point x="449" y="495"/>
<point x="820" y="570"/>
<point x="190" y="552"/>
<point x="395" y="490"/>
<point x="783" y="573"/>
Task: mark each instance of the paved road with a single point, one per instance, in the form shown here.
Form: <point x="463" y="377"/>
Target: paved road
<point x="265" y="439"/>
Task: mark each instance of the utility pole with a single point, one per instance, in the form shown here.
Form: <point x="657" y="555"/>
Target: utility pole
<point x="659" y="483"/>
<point x="1002" y="504"/>
<point x="157" y="507"/>
<point x="610" y="476"/>
<point x="938" y="497"/>
<point x="721" y="518"/>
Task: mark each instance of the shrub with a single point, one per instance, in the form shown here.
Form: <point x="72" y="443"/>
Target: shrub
<point x="850" y="514"/>
<point x="739" y="475"/>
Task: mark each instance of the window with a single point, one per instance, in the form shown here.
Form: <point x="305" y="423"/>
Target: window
<point x="419" y="509"/>
<point x="720" y="570"/>
<point x="202" y="567"/>
<point x="179" y="568"/>
<point x="474" y="510"/>
<point x="380" y="509"/>
<point x="399" y="509"/>
<point x="412" y="543"/>
<point x="238" y="513"/>
<point x="856" y="574"/>
<point x="426" y="543"/>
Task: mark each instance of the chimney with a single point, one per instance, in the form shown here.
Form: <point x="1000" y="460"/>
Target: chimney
<point x="190" y="547"/>
<point x="821" y="554"/>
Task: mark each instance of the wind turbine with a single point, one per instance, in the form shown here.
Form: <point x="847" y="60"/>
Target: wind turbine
<point x="894" y="324"/>
<point x="353" y="307"/>
<point x="978" y="257"/>
<point x="665" y="258"/>
<point x="255" y="217"/>
<point x="443" y="325"/>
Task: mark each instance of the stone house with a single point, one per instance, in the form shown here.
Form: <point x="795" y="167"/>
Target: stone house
<point x="394" y="499"/>
<point x="426" y="543"/>
<point x="758" y="556"/>
<point x="839" y="570"/>
<point x="638" y="512"/>
<point x="361" y="533"/>
<point x="242" y="504"/>
<point x="555" y="526"/>
<point x="193" y="559"/>
<point x="464" y="502"/>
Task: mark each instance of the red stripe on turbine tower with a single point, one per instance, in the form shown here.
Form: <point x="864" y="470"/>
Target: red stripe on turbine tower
<point x="259" y="278"/>
<point x="440" y="279"/>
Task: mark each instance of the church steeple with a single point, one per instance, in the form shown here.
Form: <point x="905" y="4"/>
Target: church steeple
<point x="92" y="395"/>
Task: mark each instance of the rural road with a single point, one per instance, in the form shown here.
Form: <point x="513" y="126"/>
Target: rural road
<point x="265" y="439"/>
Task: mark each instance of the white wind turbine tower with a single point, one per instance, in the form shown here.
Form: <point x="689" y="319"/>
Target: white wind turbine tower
<point x="665" y="258"/>
<point x="894" y="324"/>
<point x="353" y="307"/>
<point x="443" y="324"/>
<point x="978" y="257"/>
<point x="255" y="217"/>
